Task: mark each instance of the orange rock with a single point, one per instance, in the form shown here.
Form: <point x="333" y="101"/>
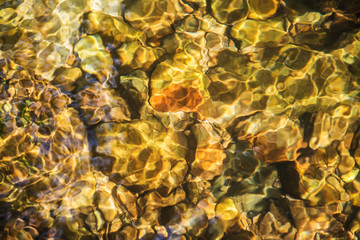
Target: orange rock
<point x="269" y="152"/>
<point x="176" y="98"/>
<point x="208" y="163"/>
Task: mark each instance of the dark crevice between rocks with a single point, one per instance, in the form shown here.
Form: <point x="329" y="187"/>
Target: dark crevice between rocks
<point x="338" y="26"/>
<point x="307" y="121"/>
<point x="288" y="174"/>
<point x="283" y="204"/>
<point x="282" y="11"/>
<point x="325" y="6"/>
<point x="289" y="178"/>
<point x="148" y="74"/>
<point x="123" y="8"/>
<point x="150" y="71"/>
<point x="350" y="6"/>
<point x="355" y="142"/>
<point x="236" y="41"/>
<point x="4" y="64"/>
<point x="208" y="8"/>
<point x="192" y="146"/>
<point x="231" y="128"/>
<point x="91" y="137"/>
<point x="6" y="213"/>
<point x="351" y="217"/>
<point x="90" y="129"/>
<point x="193" y="5"/>
<point x="344" y="18"/>
<point x="84" y="23"/>
<point x="111" y="46"/>
<point x="166" y="215"/>
<point x="134" y="106"/>
<point x="237" y="235"/>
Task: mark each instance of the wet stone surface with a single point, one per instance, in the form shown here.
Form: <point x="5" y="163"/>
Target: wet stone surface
<point x="179" y="119"/>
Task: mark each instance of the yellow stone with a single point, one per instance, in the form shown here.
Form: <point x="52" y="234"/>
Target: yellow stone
<point x="262" y="9"/>
<point x="226" y="210"/>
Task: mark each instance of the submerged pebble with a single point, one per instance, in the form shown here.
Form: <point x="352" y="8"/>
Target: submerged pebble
<point x="179" y="119"/>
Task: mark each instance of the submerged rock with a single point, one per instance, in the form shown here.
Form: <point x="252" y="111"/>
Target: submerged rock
<point x="179" y="119"/>
<point x="141" y="154"/>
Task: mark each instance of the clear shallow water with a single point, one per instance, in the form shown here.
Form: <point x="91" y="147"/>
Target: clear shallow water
<point x="179" y="119"/>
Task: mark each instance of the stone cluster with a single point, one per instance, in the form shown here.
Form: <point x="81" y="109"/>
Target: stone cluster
<point x="179" y="119"/>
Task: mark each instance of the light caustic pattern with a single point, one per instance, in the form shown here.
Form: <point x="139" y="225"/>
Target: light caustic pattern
<point x="179" y="119"/>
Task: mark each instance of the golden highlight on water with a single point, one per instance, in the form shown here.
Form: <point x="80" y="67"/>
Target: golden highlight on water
<point x="179" y="119"/>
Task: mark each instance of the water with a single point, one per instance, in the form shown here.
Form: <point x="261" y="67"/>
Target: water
<point x="174" y="119"/>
